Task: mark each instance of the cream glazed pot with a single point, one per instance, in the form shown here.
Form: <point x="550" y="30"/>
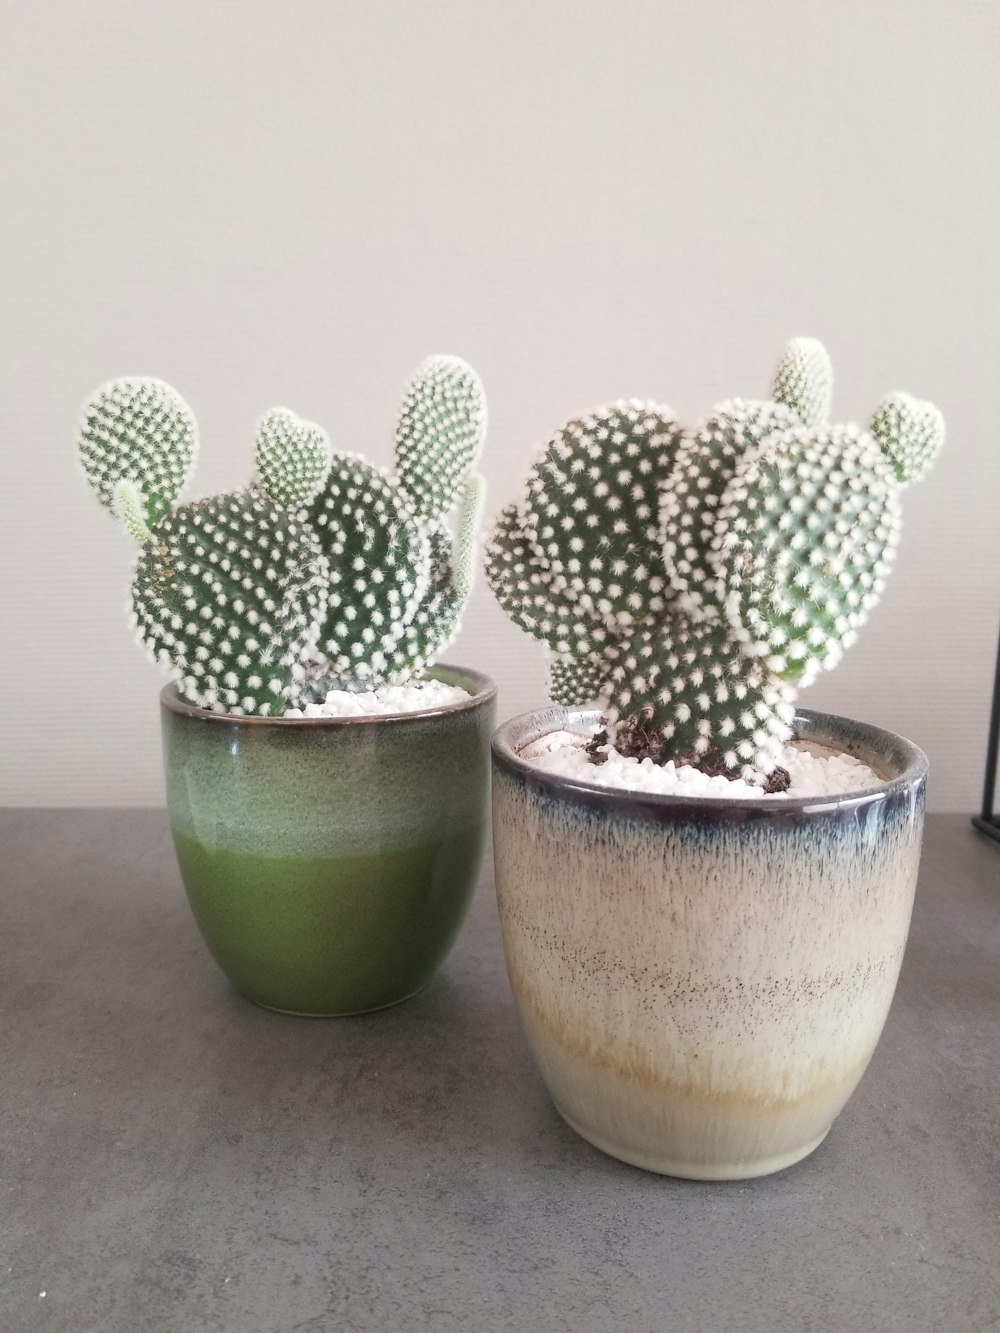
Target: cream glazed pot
<point x="702" y="982"/>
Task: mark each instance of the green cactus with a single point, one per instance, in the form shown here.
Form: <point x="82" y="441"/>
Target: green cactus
<point x="142" y="431"/>
<point x="324" y="571"/>
<point x="777" y="533"/>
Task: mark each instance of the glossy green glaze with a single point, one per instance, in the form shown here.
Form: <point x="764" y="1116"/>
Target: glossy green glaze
<point x="330" y="862"/>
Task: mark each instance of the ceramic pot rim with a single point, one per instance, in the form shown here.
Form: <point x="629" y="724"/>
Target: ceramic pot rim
<point x="828" y="729"/>
<point x="485" y="692"/>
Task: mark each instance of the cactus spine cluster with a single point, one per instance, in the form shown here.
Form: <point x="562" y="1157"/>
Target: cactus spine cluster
<point x="324" y="572"/>
<point x="691" y="581"/>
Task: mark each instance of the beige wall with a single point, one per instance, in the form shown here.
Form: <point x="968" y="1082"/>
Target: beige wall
<point x="293" y="203"/>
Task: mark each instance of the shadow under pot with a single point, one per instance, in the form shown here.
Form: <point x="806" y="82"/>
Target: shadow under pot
<point x="330" y="862"/>
<point x="702" y="982"/>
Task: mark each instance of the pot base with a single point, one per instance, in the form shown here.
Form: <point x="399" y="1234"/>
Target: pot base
<point x="335" y="1013"/>
<point x="665" y="1166"/>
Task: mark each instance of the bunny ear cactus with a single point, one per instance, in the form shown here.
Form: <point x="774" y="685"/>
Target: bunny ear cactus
<point x="324" y="570"/>
<point x="776" y="532"/>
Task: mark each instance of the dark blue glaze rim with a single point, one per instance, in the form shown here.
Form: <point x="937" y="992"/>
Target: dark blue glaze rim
<point x="485" y="693"/>
<point x="905" y="763"/>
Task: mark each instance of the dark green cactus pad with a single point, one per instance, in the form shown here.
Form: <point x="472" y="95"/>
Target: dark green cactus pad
<point x="803" y="381"/>
<point x="689" y="500"/>
<point x="522" y="584"/>
<point x="379" y="559"/>
<point x="292" y="456"/>
<point x="576" y="681"/>
<point x="437" y="618"/>
<point x="808" y="527"/>
<point x="452" y="564"/>
<point x="140" y="430"/>
<point x="690" y="682"/>
<point x="591" y="509"/>
<point x="910" y="433"/>
<point x="442" y="425"/>
<point x="228" y="594"/>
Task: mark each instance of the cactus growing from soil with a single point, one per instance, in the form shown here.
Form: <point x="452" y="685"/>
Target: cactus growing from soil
<point x="324" y="571"/>
<point x="691" y="582"/>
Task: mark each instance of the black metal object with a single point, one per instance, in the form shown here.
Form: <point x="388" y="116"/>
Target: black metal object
<point x="989" y="821"/>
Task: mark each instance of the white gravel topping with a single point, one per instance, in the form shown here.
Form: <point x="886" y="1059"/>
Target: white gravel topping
<point x="814" y="771"/>
<point x="410" y="698"/>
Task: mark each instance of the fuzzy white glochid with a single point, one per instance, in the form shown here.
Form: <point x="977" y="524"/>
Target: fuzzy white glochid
<point x="325" y="573"/>
<point x="691" y="581"/>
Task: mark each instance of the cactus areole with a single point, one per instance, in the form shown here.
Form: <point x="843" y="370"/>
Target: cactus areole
<point x="324" y="573"/>
<point x="691" y="581"/>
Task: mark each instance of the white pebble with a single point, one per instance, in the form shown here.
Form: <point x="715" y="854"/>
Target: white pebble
<point x="564" y="753"/>
<point x="413" y="697"/>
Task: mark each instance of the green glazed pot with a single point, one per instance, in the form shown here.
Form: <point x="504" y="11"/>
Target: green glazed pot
<point x="330" y="862"/>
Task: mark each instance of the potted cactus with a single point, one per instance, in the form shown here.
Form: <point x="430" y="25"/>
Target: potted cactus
<point x="705" y="891"/>
<point x="327" y="784"/>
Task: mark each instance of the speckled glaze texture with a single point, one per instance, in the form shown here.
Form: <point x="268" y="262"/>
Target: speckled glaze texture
<point x="702" y="982"/>
<point x="330" y="862"/>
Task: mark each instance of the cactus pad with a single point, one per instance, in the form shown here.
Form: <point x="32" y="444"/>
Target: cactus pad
<point x="139" y="430"/>
<point x="522" y="584"/>
<point x="803" y="381"/>
<point x="690" y="496"/>
<point x="591" y="508"/>
<point x="808" y="527"/>
<point x="379" y="559"/>
<point x="576" y="681"/>
<point x="228" y="594"/>
<point x="292" y="456"/>
<point x="691" y="682"/>
<point x="440" y="434"/>
<point x="910" y="433"/>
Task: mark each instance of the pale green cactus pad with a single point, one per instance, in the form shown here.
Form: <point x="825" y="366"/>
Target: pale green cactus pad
<point x="442" y="425"/>
<point x="293" y="457"/>
<point x="140" y="430"/>
<point x="229" y="594"/>
<point x="803" y="381"/>
<point x="910" y="433"/>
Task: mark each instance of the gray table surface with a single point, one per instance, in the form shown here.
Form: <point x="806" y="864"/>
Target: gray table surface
<point x="174" y="1159"/>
